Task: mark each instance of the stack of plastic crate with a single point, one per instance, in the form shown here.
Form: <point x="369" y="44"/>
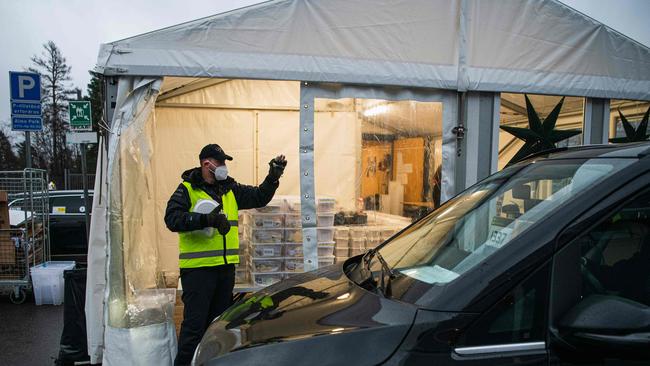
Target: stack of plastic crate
<point x="274" y="234"/>
<point x="266" y="232"/>
<point x="342" y="243"/>
<point x="373" y="236"/>
<point x="242" y="273"/>
<point x="294" y="262"/>
<point x="357" y="240"/>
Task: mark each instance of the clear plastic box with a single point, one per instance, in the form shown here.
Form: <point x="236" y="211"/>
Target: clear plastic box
<point x="342" y="252"/>
<point x="328" y="261"/>
<point x="325" y="204"/>
<point x="277" y="205"/>
<point x="293" y="204"/>
<point x="325" y="220"/>
<point x="267" y="250"/>
<point x="356" y="251"/>
<point x="342" y="232"/>
<point x="325" y="250"/>
<point x="266" y="279"/>
<point x="293" y="250"/>
<point x="388" y="231"/>
<point x="267" y="236"/>
<point x="372" y="243"/>
<point x="373" y="233"/>
<point x="293" y="220"/>
<point x="267" y="220"/>
<point x="48" y="283"/>
<point x="358" y="243"/>
<point x="342" y="243"/>
<point x="267" y="265"/>
<point x="358" y="232"/>
<point x="293" y="235"/>
<point x="325" y="234"/>
<point x="294" y="265"/>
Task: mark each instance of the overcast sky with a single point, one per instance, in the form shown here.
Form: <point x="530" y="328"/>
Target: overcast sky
<point x="79" y="26"/>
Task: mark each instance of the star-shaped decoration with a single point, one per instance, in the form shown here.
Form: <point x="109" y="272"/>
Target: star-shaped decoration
<point x="540" y="135"/>
<point x="632" y="134"/>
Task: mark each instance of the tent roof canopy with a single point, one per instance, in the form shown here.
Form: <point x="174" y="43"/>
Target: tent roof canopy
<point x="521" y="46"/>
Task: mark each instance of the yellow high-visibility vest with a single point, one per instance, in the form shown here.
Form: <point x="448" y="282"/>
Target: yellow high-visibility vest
<point x="198" y="249"/>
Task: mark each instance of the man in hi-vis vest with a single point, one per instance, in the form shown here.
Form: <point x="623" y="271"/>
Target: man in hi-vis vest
<point x="204" y="212"/>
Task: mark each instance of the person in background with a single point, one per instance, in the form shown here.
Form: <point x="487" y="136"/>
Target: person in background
<point x="209" y="242"/>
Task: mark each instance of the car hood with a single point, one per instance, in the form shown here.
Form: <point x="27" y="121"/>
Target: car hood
<point x="322" y="310"/>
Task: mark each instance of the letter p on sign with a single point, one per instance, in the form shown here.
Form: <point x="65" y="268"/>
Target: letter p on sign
<point x="25" y="82"/>
<point x="25" y="86"/>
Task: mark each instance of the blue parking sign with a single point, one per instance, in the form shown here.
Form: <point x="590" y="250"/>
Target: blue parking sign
<point x="24" y="123"/>
<point x="25" y="86"/>
<point x="25" y="100"/>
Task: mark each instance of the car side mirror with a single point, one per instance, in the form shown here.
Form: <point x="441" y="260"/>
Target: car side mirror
<point x="608" y="324"/>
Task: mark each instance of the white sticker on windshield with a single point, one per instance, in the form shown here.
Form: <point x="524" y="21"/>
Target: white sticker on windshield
<point x="431" y="275"/>
<point x="499" y="237"/>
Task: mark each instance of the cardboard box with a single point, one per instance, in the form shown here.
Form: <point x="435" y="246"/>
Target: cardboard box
<point x="7" y="248"/>
<point x="4" y="210"/>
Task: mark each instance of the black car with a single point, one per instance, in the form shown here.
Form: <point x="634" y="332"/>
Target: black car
<point x="68" y="239"/>
<point x="544" y="263"/>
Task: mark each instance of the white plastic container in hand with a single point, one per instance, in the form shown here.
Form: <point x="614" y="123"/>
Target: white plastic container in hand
<point x="48" y="283"/>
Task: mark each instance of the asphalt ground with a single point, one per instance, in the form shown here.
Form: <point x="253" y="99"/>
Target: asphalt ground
<point x="29" y="334"/>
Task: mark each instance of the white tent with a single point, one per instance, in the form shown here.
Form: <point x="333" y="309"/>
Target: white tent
<point x="491" y="45"/>
<point x="314" y="70"/>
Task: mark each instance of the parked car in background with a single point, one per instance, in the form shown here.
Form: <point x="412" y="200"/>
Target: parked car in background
<point x="68" y="239"/>
<point x="546" y="262"/>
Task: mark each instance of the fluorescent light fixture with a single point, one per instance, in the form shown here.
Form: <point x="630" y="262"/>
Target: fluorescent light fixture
<point x="344" y="296"/>
<point x="376" y="110"/>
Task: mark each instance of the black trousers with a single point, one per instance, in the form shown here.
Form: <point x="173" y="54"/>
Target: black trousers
<point x="207" y="292"/>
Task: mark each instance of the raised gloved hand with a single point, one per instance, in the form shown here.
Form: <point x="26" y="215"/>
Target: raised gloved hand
<point x="276" y="167"/>
<point x="217" y="220"/>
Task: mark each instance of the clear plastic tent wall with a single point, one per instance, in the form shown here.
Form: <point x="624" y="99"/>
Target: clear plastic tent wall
<point x="138" y="310"/>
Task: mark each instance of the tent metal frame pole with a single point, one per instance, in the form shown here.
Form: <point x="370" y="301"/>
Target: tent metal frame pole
<point x="479" y="150"/>
<point x="596" y="121"/>
<point x="307" y="181"/>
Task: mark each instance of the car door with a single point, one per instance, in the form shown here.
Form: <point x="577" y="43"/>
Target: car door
<point x="600" y="297"/>
<point x="512" y="331"/>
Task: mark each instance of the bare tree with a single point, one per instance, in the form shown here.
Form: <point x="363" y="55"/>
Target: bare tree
<point x="50" y="145"/>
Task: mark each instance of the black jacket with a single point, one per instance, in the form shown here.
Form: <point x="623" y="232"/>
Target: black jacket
<point x="178" y="216"/>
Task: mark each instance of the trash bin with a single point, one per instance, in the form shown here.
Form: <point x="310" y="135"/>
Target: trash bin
<point x="74" y="346"/>
<point x="47" y="281"/>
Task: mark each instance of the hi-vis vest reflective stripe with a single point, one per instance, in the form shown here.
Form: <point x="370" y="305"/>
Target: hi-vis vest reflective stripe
<point x="197" y="249"/>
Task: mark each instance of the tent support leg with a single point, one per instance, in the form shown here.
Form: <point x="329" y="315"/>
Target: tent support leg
<point x="596" y="121"/>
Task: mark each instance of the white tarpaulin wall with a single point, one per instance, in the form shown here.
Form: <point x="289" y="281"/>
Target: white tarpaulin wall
<point x="253" y="121"/>
<point x="522" y="46"/>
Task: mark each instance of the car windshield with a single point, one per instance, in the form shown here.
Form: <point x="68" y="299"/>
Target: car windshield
<point x="488" y="216"/>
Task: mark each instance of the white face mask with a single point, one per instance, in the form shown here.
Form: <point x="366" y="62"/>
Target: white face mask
<point x="220" y="172"/>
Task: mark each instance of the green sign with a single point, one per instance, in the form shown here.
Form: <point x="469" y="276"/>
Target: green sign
<point x="80" y="116"/>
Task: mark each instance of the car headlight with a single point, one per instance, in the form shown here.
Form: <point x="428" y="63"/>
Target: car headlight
<point x="216" y="341"/>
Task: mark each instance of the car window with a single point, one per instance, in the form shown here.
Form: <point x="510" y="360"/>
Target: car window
<point x="488" y="216"/>
<point x="611" y="259"/>
<point x="70" y="204"/>
<point x="519" y="317"/>
<point x="16" y="204"/>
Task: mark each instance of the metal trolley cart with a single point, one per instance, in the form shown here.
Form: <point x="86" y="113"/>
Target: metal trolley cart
<point x="24" y="229"/>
